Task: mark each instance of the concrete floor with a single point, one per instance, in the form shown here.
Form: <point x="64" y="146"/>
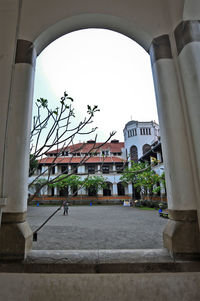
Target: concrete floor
<point x="97" y="227"/>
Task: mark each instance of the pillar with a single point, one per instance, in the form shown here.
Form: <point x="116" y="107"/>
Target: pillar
<point x="56" y="169"/>
<point x="130" y="189"/>
<point x="99" y="169"/>
<point x="187" y="39"/>
<point x="100" y="192"/>
<point x="159" y="157"/>
<point x="115" y="192"/>
<point x="181" y="234"/>
<point x="15" y="233"/>
<point x="55" y="190"/>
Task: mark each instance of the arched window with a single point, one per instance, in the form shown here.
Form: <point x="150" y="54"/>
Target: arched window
<point x="107" y="189"/>
<point x="120" y="189"/>
<point x="63" y="191"/>
<point x="146" y="148"/>
<point x="92" y="191"/>
<point x="134" y="153"/>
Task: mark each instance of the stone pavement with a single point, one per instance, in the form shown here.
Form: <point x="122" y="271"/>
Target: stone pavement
<point x="97" y="227"/>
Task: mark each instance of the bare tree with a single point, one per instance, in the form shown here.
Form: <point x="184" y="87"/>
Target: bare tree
<point x="57" y="128"/>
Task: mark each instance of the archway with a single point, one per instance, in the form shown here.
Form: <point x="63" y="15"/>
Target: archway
<point x="171" y="80"/>
<point x="107" y="191"/>
<point x="121" y="189"/>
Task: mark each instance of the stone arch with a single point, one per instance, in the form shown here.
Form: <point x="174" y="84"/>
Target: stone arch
<point x="145" y="148"/>
<point x="107" y="191"/>
<point x="121" y="190"/>
<point x="86" y="21"/>
<point x="162" y="36"/>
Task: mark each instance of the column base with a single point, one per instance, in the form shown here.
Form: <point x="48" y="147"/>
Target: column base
<point x="181" y="235"/>
<point x="15" y="237"/>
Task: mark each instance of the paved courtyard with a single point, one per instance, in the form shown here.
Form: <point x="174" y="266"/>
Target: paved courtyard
<point x="97" y="227"/>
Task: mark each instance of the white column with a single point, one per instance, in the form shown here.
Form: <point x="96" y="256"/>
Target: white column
<point x="18" y="141"/>
<point x="176" y="153"/>
<point x="180" y="234"/>
<point x="99" y="169"/>
<point x="55" y="190"/>
<point x="8" y="24"/>
<point x="100" y="192"/>
<point x="115" y="189"/>
<point x="189" y="63"/>
<point x="56" y="169"/>
<point x="14" y="181"/>
<point x="130" y="189"/>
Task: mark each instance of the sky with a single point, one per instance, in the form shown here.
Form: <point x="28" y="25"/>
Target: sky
<point x="98" y="67"/>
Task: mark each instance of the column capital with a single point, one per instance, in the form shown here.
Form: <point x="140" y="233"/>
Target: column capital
<point x="25" y="52"/>
<point x="187" y="32"/>
<point x="160" y="48"/>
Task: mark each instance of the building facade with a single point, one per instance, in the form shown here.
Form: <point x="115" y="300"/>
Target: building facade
<point x="107" y="160"/>
<point x="83" y="159"/>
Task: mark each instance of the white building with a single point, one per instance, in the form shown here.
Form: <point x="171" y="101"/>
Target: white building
<point x="139" y="136"/>
<point x="82" y="159"/>
<point x="108" y="160"/>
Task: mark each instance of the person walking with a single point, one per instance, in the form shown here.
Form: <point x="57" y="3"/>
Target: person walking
<point x="66" y="208"/>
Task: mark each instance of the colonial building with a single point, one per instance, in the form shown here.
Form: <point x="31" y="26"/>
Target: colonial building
<point x="107" y="160"/>
<point x="85" y="159"/>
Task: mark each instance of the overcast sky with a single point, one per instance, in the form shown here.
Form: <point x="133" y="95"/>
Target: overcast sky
<point x="102" y="67"/>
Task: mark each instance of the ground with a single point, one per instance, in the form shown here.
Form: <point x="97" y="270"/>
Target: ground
<point x="97" y="227"/>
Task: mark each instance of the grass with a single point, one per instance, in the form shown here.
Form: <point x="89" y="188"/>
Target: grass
<point x="145" y="208"/>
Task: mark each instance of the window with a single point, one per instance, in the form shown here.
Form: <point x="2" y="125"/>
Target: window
<point x="39" y="170"/>
<point x="105" y="169"/>
<point x="134" y="153"/>
<point x="145" y="131"/>
<point x="52" y="170"/>
<point x="64" y="169"/>
<point x="91" y="169"/>
<point x="119" y="168"/>
<point x="145" y="148"/>
<point x="105" y="153"/>
<point x="132" y="132"/>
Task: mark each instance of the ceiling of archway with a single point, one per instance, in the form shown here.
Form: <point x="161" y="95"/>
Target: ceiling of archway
<point x="141" y="20"/>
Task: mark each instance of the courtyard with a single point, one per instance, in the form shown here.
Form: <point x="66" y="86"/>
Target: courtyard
<point x="97" y="227"/>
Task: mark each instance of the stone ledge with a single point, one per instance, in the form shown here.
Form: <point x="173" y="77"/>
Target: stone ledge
<point x="100" y="261"/>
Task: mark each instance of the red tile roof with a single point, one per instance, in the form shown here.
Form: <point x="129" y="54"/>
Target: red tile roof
<point x="87" y="147"/>
<point x="72" y="160"/>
